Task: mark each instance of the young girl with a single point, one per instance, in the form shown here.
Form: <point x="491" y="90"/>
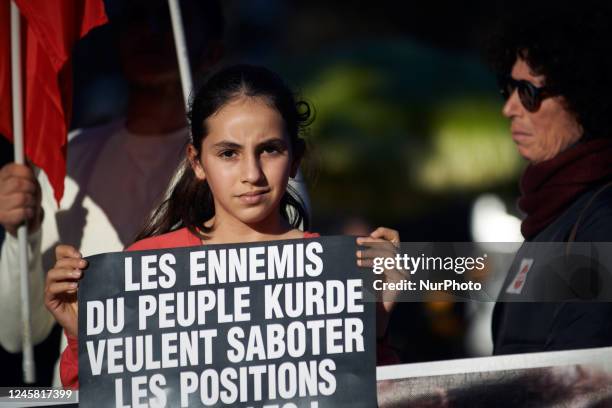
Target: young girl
<point x="246" y="127"/>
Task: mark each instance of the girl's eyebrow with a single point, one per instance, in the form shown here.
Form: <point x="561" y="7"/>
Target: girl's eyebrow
<point x="273" y="140"/>
<point x="227" y="145"/>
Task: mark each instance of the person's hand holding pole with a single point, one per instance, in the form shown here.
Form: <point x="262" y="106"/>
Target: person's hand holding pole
<point x="19" y="198"/>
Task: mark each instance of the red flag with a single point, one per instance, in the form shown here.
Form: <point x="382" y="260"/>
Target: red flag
<point x="49" y="31"/>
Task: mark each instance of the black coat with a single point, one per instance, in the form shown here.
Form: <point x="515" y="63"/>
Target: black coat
<point x="526" y="325"/>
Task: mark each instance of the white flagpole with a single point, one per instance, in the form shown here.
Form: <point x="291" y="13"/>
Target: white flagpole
<point x="181" y="50"/>
<point x="29" y="375"/>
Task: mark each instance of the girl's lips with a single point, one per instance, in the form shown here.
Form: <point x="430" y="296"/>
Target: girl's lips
<point x="253" y="198"/>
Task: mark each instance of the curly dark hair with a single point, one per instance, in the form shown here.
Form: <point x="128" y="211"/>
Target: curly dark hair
<point x="570" y="45"/>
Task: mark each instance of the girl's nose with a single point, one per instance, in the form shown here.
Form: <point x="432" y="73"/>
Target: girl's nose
<point x="251" y="170"/>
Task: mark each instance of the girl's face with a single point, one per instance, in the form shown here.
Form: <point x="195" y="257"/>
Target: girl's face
<point x="247" y="160"/>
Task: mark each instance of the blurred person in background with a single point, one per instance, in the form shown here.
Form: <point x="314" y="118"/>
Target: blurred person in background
<point x="117" y="172"/>
<point x="555" y="65"/>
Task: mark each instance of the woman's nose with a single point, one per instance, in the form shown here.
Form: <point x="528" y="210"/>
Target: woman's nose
<point x="513" y="105"/>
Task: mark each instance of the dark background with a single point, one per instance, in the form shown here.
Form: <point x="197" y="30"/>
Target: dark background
<point x="408" y="130"/>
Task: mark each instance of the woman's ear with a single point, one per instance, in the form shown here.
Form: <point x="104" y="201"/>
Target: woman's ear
<point x="298" y="154"/>
<point x="194" y="162"/>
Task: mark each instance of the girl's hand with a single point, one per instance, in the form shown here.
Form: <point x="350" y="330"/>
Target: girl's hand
<point x="382" y="243"/>
<point x="62" y="285"/>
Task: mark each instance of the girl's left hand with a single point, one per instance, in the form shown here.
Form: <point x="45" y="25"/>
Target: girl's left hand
<point x="382" y="243"/>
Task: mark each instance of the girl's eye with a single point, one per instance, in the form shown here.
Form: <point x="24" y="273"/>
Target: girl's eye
<point x="272" y="149"/>
<point x="227" y="154"/>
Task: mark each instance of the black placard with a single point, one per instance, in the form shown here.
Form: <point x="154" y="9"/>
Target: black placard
<point x="267" y="324"/>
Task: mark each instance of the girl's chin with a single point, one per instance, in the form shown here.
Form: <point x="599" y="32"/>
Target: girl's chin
<point x="256" y="218"/>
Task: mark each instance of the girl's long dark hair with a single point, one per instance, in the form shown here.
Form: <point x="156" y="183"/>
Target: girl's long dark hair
<point x="190" y="203"/>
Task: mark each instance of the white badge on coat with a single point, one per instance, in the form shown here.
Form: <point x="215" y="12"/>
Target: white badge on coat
<point x="516" y="286"/>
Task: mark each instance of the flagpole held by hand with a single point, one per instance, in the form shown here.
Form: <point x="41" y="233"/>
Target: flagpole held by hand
<point x="29" y="374"/>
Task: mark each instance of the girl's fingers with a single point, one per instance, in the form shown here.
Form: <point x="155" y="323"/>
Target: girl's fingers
<point x="66" y="251"/>
<point x="369" y="240"/>
<point x="382" y="243"/>
<point x="387" y="234"/>
<point x="381" y="234"/>
<point x="59" y="288"/>
<point x="378" y="251"/>
<point x="70" y="263"/>
<point x="365" y="263"/>
<point x="58" y="275"/>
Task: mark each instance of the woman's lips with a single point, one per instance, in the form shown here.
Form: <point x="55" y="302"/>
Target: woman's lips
<point x="520" y="136"/>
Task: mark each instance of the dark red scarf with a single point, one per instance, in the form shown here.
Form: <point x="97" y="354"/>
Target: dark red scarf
<point x="549" y="187"/>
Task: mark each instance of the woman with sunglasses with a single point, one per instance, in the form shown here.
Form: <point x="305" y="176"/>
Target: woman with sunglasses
<point x="555" y="69"/>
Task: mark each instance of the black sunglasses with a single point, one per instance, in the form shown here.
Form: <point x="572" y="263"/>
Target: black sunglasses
<point x="530" y="95"/>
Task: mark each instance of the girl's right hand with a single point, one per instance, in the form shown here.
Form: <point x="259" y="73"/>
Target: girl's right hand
<point x="62" y="285"/>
